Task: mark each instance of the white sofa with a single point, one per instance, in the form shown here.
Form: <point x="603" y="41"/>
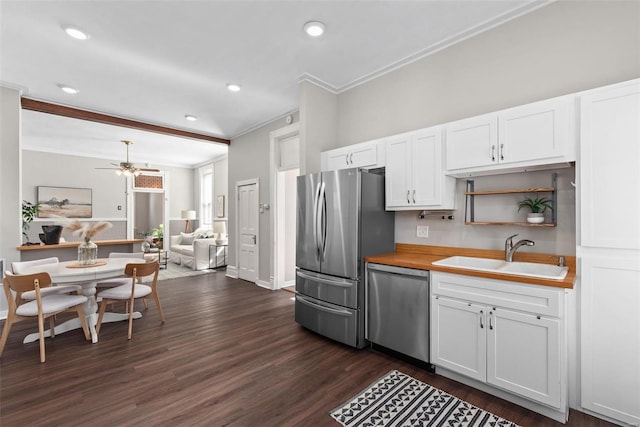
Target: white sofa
<point x="191" y="249"/>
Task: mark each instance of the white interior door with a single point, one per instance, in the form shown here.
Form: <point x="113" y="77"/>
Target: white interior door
<point x="248" y="232"/>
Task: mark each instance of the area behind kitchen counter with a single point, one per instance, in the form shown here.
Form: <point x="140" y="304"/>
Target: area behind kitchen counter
<point x="423" y="256"/>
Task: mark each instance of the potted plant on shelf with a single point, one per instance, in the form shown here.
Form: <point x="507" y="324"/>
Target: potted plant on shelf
<point x="29" y="212"/>
<point x="537" y="206"/>
<point x="158" y="235"/>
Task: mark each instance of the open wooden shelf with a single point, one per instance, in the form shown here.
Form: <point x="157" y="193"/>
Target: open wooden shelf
<point x="470" y="194"/>
<point x="517" y="190"/>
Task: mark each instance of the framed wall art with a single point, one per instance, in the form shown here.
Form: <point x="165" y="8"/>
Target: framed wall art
<point x="64" y="202"/>
<point x="220" y="207"/>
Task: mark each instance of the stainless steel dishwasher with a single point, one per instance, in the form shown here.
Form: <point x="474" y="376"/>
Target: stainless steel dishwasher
<point x="398" y="309"/>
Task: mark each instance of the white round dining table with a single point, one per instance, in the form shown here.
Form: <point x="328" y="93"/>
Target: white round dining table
<point x="86" y="277"/>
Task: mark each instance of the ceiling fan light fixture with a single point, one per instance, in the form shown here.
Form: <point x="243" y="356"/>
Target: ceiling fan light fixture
<point x="68" y="89"/>
<point x="233" y="87"/>
<point x="191" y="117"/>
<point x="75" y="32"/>
<point x="314" y="28"/>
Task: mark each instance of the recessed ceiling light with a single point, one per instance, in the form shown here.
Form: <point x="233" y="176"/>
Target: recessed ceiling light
<point x="314" y="28"/>
<point x="76" y="33"/>
<point x="68" y="89"/>
<point x="233" y="87"/>
<point x="191" y="118"/>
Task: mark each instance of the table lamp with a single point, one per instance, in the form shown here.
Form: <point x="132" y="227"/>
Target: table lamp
<point x="220" y="228"/>
<point x="188" y="216"/>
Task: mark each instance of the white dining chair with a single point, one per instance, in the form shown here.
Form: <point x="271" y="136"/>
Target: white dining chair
<point x="132" y="291"/>
<point x="19" y="267"/>
<point x="42" y="307"/>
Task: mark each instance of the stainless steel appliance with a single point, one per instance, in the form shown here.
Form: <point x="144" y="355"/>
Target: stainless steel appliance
<point x="340" y="220"/>
<point x="398" y="309"/>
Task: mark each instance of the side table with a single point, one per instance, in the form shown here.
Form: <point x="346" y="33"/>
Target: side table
<point x="218" y="256"/>
<point x="156" y="254"/>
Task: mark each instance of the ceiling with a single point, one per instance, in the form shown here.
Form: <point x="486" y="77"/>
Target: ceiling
<point x="157" y="61"/>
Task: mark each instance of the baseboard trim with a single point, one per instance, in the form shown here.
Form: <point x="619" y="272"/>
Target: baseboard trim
<point x="232" y="271"/>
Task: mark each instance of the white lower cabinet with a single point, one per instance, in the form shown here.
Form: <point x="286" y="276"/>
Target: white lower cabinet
<point x="506" y="335"/>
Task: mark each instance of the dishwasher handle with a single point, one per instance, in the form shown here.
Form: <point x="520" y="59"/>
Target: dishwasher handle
<point x="397" y="270"/>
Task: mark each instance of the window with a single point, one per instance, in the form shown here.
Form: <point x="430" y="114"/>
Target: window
<point x="206" y="197"/>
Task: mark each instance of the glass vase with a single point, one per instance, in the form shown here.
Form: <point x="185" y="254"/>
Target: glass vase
<point x="87" y="253"/>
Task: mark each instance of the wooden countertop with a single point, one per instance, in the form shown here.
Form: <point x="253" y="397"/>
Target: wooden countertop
<point x="422" y="257"/>
<point x="75" y="244"/>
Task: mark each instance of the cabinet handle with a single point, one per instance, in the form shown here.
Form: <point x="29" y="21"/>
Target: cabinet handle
<point x="493" y="153"/>
<point x="414" y="197"/>
<point x="501" y="151"/>
<point x="491" y="320"/>
<point x="346" y="158"/>
<point x="481" y="317"/>
<point x="351" y="158"/>
<point x="408" y="200"/>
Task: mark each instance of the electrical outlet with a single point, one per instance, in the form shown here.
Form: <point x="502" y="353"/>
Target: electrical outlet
<point x="422" y="231"/>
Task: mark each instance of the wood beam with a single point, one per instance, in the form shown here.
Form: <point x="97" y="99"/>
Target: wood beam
<point x="76" y="113"/>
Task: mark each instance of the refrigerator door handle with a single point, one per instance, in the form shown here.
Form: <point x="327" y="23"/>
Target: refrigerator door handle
<point x="305" y="301"/>
<point x="322" y="222"/>
<point x="325" y="281"/>
<point x="316" y="235"/>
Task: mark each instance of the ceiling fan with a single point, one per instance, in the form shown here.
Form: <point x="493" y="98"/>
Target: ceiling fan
<point x="127" y="168"/>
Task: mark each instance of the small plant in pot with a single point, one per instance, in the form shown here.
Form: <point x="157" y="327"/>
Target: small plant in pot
<point x="29" y="212"/>
<point x="537" y="206"/>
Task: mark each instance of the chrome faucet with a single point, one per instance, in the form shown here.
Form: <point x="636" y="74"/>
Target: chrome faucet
<point x="510" y="248"/>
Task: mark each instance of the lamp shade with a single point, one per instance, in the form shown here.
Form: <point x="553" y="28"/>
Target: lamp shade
<point x="219" y="227"/>
<point x="188" y="214"/>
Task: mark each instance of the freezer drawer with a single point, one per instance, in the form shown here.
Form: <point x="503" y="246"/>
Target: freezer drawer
<point x="398" y="309"/>
<point x="332" y="321"/>
<point x="335" y="290"/>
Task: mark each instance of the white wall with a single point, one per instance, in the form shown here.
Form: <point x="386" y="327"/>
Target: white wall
<point x="318" y="121"/>
<point x="10" y="214"/>
<point x="249" y="159"/>
<point x="108" y="189"/>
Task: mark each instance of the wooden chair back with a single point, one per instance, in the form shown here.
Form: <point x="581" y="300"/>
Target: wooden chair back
<point x="143" y="269"/>
<point x="27" y="282"/>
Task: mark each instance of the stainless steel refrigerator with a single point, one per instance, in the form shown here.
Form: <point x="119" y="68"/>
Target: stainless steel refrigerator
<point x="340" y="220"/>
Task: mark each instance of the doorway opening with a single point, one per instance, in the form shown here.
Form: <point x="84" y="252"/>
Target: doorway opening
<point x="285" y="161"/>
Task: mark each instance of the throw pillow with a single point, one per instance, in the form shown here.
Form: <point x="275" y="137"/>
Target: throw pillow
<point x="186" y="238"/>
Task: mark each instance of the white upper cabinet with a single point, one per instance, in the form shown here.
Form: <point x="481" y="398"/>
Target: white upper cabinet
<point x="368" y="155"/>
<point x="414" y="178"/>
<point x="609" y="167"/>
<point x="472" y="143"/>
<point x="528" y="136"/>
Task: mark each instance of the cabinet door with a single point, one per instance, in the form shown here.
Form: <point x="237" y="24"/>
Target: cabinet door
<point x="472" y="142"/>
<point x="426" y="167"/>
<point x="363" y="155"/>
<point x="458" y="336"/>
<point x="523" y="355"/>
<point x="535" y="132"/>
<point x="610" y="335"/>
<point x="338" y="159"/>
<point x="397" y="173"/>
<point x="609" y="176"/>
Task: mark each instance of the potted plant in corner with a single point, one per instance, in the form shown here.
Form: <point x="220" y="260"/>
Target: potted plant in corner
<point x="537" y="206"/>
<point x="29" y="212"/>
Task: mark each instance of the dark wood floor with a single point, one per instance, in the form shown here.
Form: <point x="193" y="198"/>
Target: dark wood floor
<point x="229" y="353"/>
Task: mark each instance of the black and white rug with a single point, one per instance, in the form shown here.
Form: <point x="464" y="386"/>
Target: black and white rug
<point x="400" y="400"/>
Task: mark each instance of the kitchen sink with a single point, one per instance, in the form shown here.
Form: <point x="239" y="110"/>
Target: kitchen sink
<point x="529" y="269"/>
